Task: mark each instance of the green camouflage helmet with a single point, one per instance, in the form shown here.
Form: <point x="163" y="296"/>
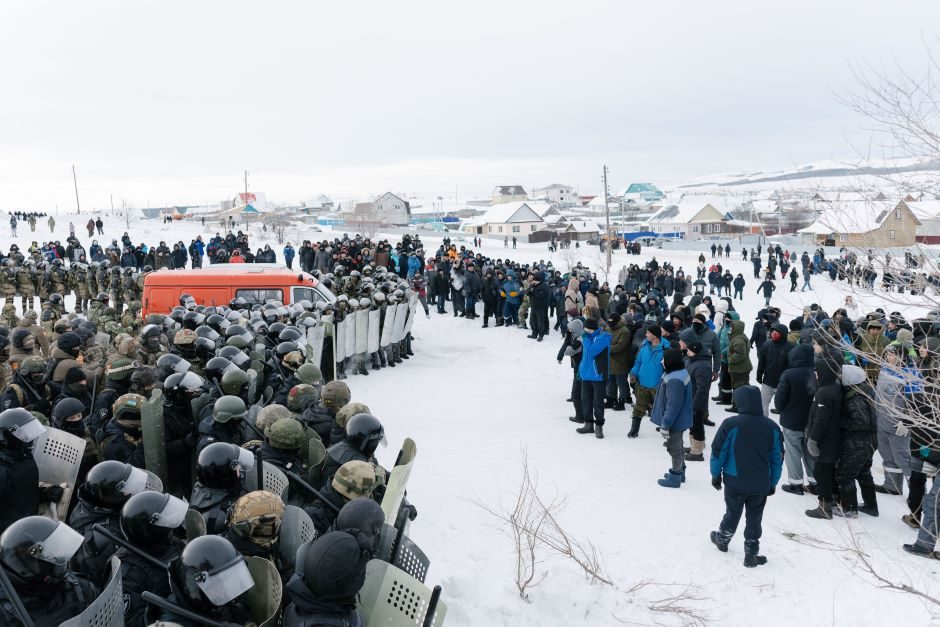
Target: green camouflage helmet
<point x="31" y="365"/>
<point x="119" y="369"/>
<point x="302" y="396"/>
<point x="335" y="394"/>
<point x="349" y="410"/>
<point x="357" y="478"/>
<point x="8" y="309"/>
<point x="234" y="382"/>
<point x="112" y="328"/>
<point x="109" y="312"/>
<point x="228" y="408"/>
<point x="287" y="434"/>
<point x="271" y="414"/>
<point x="41" y="417"/>
<point x="155" y="319"/>
<point x="127" y="404"/>
<point x="309" y="374"/>
<point x="30" y="314"/>
<point x="135" y="305"/>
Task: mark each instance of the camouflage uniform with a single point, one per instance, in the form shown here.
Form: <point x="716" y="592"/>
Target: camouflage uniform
<point x="78" y="281"/>
<point x="147" y="358"/>
<point x="25" y="286"/>
<point x="131" y="318"/>
<point x="60" y="279"/>
<point x="129" y="286"/>
<point x="103" y="279"/>
<point x="94" y="310"/>
<point x="9" y="315"/>
<point x="42" y="340"/>
<point x="91" y="281"/>
<point x="117" y="291"/>
<point x="43" y="283"/>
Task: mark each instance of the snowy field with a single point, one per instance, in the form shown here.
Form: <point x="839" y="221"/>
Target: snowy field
<point x="474" y="399"/>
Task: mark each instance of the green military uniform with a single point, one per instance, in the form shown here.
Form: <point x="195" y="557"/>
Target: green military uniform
<point x="43" y="283"/>
<point x="77" y="280"/>
<point x="117" y="290"/>
<point x="739" y="359"/>
<point x="25" y="285"/>
<point x="91" y="280"/>
<point x="9" y="318"/>
<point x="131" y="318"/>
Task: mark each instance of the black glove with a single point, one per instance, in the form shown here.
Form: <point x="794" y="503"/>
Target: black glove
<point x="773" y="491"/>
<point x="716" y="482"/>
<point x="51" y="493"/>
<point x="412" y="512"/>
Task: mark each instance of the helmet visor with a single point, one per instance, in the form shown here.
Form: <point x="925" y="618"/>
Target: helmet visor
<point x="210" y="334"/>
<point x="135" y="482"/>
<point x="28" y="431"/>
<point x="173" y="513"/>
<point x="59" y="547"/>
<point x="239" y="359"/>
<point x="191" y="381"/>
<point x="181" y="366"/>
<point x="246" y="461"/>
<point x="227" y="583"/>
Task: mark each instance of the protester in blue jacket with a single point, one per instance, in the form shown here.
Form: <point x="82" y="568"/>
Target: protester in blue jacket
<point x="593" y="371"/>
<point x="289" y="255"/>
<point x="747" y="453"/>
<point x="646" y="372"/>
<point x="672" y="413"/>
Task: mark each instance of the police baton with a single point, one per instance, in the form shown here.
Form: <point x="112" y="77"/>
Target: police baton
<point x="432" y="607"/>
<point x="309" y="488"/>
<point x="153" y="599"/>
<point x="259" y="466"/>
<point x="14" y="598"/>
<point x="150" y="559"/>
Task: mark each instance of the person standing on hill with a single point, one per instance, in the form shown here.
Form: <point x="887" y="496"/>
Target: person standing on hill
<point x="672" y="413"/>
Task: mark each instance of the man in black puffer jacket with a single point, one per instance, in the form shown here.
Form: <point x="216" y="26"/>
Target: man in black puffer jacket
<point x="793" y="400"/>
<point x="859" y="441"/>
<point x="771" y="362"/>
<point x="824" y="431"/>
<point x="698" y="363"/>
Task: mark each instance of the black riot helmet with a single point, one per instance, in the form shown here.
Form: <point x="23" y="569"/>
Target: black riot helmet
<point x="364" y="433"/>
<point x="207" y="332"/>
<point x="239" y="303"/>
<point x="274" y="330"/>
<point x="182" y="387"/>
<point x="217" y="366"/>
<point x="289" y="334"/>
<point x="19" y="429"/>
<point x="282" y="349"/>
<point x="149" y="518"/>
<point x="204" y="349"/>
<point x="170" y="364"/>
<point x="236" y="356"/>
<point x="212" y="572"/>
<point x="218" y="323"/>
<point x="110" y="483"/>
<point x="221" y="465"/>
<point x="192" y="319"/>
<point x="38" y="549"/>
<point x="150" y="336"/>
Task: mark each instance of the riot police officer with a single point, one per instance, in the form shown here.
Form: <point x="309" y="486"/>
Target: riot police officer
<point x="35" y="553"/>
<point x="254" y="525"/>
<point x="220" y="469"/>
<point x="354" y="479"/>
<point x="225" y="424"/>
<point x="320" y="418"/>
<point x="179" y="428"/>
<point x="123" y="439"/>
<point x="19" y="477"/>
<point x="28" y="389"/>
<point x="364" y="433"/>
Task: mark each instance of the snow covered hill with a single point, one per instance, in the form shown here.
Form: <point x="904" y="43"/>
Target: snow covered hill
<point x="475" y="399"/>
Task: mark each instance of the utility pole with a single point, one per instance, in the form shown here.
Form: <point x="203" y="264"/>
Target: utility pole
<point x="607" y="217"/>
<point x="246" y="187"/>
<point x="78" y="206"/>
<point x="112" y="205"/>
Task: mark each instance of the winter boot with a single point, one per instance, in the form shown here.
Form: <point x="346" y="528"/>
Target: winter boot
<point x="408" y="350"/>
<point x="609" y="402"/>
<point x="390" y="356"/>
<point x="793" y="488"/>
<point x="540" y="337"/>
<point x="620" y="406"/>
<point x="752" y="559"/>
<point x="916" y="549"/>
<point x="720" y="540"/>
<point x="823" y="511"/>
<point x="674" y="480"/>
<point x="576" y="419"/>
<point x="696" y="452"/>
<point x="885" y="489"/>
<point x="848" y="506"/>
<point x="383" y="360"/>
<point x="532" y="335"/>
<point x="376" y="364"/>
<point x="587" y="428"/>
<point x="599" y="432"/>
<point x="869" y="500"/>
<point x="634" y="428"/>
<point x="499" y="322"/>
<point x="486" y="324"/>
<point x="911" y="521"/>
<point x="666" y="474"/>
<point x="812" y="488"/>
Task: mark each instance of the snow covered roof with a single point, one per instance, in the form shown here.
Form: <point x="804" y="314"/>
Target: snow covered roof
<point x="541" y="208"/>
<point x="683" y="213"/>
<point x="925" y="209"/>
<point x="510" y="212"/>
<point x="583" y="227"/>
<point x="852" y="218"/>
<point x="509" y="190"/>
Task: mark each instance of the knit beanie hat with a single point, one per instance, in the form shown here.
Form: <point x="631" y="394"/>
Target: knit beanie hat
<point x="74" y="375"/>
<point x="590" y="324"/>
<point x="672" y="360"/>
<point x="655" y="330"/>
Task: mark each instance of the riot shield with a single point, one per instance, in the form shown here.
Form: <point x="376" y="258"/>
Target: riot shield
<point x="58" y="456"/>
<point x="154" y="483"/>
<point x="275" y="481"/>
<point x="375" y="319"/>
<point x="199" y="404"/>
<point x="339" y="351"/>
<point x="152" y="431"/>
<point x="386" y="337"/>
<point x="315" y="337"/>
<point x="258" y="366"/>
<point x="316" y="454"/>
<point x="103" y="340"/>
<point x="195" y="525"/>
<point x="252" y="386"/>
<point x="362" y="331"/>
<point x="412" y="310"/>
<point x="296" y="529"/>
<point x="108" y="609"/>
<point x="264" y="598"/>
<point x="392" y="597"/>
<point x="398" y="479"/>
<point x="401" y="316"/>
<point x="350" y="335"/>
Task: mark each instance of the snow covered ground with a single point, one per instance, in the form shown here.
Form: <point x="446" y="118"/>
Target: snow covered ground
<point x="474" y="399"/>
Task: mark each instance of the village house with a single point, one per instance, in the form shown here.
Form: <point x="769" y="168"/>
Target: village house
<point x="874" y="224"/>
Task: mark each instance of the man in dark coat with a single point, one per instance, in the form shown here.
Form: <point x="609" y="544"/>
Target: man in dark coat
<point x="859" y="441"/>
<point x="698" y="363"/>
<point x="824" y="431"/>
<point x="771" y="362"/>
<point x="793" y="399"/>
<point x="539" y="294"/>
<point x="747" y="454"/>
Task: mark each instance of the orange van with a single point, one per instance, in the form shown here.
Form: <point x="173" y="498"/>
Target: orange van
<point x="219" y="284"/>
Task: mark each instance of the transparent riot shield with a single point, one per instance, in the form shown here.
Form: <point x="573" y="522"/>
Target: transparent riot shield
<point x="412" y="310"/>
<point x="58" y="456"/>
<point x="195" y="525"/>
<point x="393" y="598"/>
<point x="401" y="316"/>
<point x="264" y="598"/>
<point x="108" y="609"/>
<point x="252" y="386"/>
<point x="350" y="334"/>
<point x="362" y="331"/>
<point x="339" y="350"/>
<point x="398" y="480"/>
<point x="375" y="319"/>
<point x="315" y="337"/>
<point x="386" y="336"/>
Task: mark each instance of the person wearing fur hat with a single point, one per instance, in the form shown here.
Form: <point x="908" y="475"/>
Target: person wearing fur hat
<point x="672" y="413"/>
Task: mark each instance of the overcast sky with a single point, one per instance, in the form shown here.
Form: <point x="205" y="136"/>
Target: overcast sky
<point x="169" y="101"/>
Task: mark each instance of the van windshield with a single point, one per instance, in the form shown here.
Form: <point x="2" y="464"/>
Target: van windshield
<point x="260" y="296"/>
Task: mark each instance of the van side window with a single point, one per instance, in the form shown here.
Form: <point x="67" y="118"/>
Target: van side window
<point x="306" y="293"/>
<point x="260" y="296"/>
